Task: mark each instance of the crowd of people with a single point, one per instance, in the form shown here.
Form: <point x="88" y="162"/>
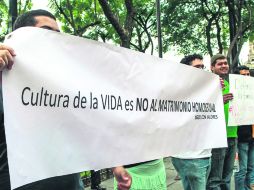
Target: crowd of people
<point x="209" y="169"/>
<point x="213" y="169"/>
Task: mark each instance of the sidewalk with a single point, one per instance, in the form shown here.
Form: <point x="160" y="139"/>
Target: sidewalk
<point x="171" y="183"/>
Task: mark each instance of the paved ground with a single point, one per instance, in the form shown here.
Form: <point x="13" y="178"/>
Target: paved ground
<point x="171" y="183"/>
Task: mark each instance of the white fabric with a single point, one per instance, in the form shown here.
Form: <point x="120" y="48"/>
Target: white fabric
<point x="79" y="133"/>
<point x="194" y="154"/>
<point x="242" y="106"/>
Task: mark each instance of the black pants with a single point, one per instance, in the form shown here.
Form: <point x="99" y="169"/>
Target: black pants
<point x="67" y="182"/>
<point x="5" y="181"/>
<point x="95" y="179"/>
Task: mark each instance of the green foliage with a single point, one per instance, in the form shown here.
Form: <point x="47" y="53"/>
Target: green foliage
<point x="203" y="26"/>
<point x="104" y="31"/>
<point x="145" y="30"/>
<point x="3" y="20"/>
<point x="248" y="19"/>
<point x="185" y="23"/>
<point x="22" y="5"/>
<point x="86" y="18"/>
<point x="85" y="174"/>
<point x="77" y="17"/>
<point x="188" y="25"/>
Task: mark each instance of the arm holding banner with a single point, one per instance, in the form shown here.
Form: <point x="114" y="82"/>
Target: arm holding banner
<point x="123" y="178"/>
<point x="227" y="97"/>
<point x="222" y="84"/>
<point x="6" y="57"/>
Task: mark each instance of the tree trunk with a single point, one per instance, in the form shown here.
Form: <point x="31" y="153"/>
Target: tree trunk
<point x="125" y="31"/>
<point x="208" y="37"/>
<point x="233" y="32"/>
<point x="13" y="11"/>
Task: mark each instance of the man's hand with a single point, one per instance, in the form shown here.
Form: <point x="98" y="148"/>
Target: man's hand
<point x="227" y="97"/>
<point x="6" y="57"/>
<point x="222" y="84"/>
<point x="123" y="178"/>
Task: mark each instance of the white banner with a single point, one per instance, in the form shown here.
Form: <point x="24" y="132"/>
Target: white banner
<point x="73" y="104"/>
<point x="242" y="106"/>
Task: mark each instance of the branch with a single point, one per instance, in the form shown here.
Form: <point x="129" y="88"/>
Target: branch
<point x="84" y="28"/>
<point x="139" y="36"/>
<point x="236" y="58"/>
<point x="219" y="36"/>
<point x="203" y="10"/>
<point x="63" y="13"/>
<point x="135" y="46"/>
<point x="26" y="3"/>
<point x="232" y="44"/>
<point x="112" y="18"/>
<point x="129" y="16"/>
<point x="71" y="15"/>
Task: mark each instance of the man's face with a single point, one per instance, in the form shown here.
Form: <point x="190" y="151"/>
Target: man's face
<point x="198" y="63"/>
<point x="47" y="23"/>
<point x="245" y="72"/>
<point x="221" y="67"/>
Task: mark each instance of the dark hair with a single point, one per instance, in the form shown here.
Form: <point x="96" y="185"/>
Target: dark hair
<point x="27" y="19"/>
<point x="216" y="57"/>
<point x="189" y="58"/>
<point x="239" y="68"/>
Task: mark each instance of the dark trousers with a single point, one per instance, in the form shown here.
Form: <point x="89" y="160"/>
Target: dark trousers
<point x="5" y="181"/>
<point x="222" y="165"/>
<point x="95" y="179"/>
<point x="68" y="182"/>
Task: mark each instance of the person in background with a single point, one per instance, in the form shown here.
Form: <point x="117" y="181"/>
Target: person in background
<point x="41" y="19"/>
<point x="193" y="166"/>
<point x="222" y="160"/>
<point x="244" y="178"/>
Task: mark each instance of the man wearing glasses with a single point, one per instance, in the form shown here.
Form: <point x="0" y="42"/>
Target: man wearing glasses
<point x="193" y="166"/>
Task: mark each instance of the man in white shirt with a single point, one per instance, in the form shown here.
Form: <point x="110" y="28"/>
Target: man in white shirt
<point x="193" y="167"/>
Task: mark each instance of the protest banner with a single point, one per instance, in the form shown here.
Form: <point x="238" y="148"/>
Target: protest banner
<point x="73" y="104"/>
<point x="242" y="106"/>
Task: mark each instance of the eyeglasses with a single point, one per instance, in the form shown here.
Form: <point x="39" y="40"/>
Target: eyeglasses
<point x="199" y="66"/>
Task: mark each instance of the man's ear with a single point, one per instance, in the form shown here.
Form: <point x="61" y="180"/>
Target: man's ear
<point x="212" y="68"/>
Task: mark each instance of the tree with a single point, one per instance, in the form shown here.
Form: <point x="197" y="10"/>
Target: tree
<point x="109" y="21"/>
<point x="144" y="26"/>
<point x="134" y="22"/>
<point x="3" y="20"/>
<point x="194" y="25"/>
<point x="22" y="6"/>
<point x="123" y="27"/>
<point x="240" y="14"/>
<point x="208" y="26"/>
<point x="77" y="17"/>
